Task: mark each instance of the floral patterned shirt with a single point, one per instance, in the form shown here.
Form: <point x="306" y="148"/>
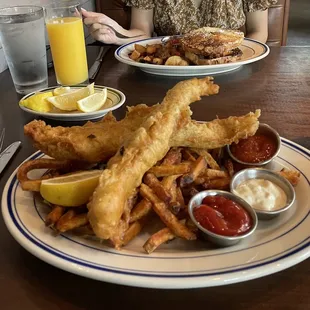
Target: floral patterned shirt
<point x="181" y="16"/>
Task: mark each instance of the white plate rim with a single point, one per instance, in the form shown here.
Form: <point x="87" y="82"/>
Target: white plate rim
<point x="184" y="68"/>
<point x="76" y="116"/>
<point x="297" y="254"/>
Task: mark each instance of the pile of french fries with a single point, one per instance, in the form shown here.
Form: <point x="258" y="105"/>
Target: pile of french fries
<point x="165" y="192"/>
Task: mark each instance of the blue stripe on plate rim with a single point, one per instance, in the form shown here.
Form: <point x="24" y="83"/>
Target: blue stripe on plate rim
<point x="280" y="256"/>
<point x="117" y="52"/>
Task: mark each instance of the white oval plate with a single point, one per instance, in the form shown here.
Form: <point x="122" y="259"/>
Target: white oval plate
<point x="276" y="244"/>
<point x="252" y="51"/>
<point x="116" y="97"/>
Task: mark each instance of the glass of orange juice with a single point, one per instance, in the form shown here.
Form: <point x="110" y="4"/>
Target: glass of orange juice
<point x="66" y="37"/>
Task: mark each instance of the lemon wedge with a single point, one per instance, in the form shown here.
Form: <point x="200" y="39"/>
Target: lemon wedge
<point x="61" y="90"/>
<point x="93" y="102"/>
<point x="38" y="102"/>
<point x="68" y="101"/>
<point x="71" y="190"/>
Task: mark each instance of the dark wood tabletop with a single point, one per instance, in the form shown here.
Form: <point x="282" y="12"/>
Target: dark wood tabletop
<point x="278" y="85"/>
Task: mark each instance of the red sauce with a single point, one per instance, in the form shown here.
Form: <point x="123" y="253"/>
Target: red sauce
<point x="222" y="216"/>
<point x="254" y="149"/>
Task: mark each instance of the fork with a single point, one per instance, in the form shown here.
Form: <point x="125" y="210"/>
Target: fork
<point x="119" y="35"/>
<point x="2" y="138"/>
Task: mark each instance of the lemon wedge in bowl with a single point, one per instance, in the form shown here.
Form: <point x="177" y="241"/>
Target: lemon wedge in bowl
<point x="93" y="102"/>
<point x="68" y="101"/>
<point x="38" y="102"/>
<point x="61" y="90"/>
<point x="70" y="190"/>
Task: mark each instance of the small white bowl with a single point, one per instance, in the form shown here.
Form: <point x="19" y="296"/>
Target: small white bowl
<point x="114" y="95"/>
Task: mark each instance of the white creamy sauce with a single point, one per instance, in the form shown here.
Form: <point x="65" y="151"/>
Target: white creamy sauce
<point x="262" y="194"/>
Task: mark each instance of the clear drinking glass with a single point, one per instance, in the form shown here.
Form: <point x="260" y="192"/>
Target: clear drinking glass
<point x="22" y="34"/>
<point x="65" y="31"/>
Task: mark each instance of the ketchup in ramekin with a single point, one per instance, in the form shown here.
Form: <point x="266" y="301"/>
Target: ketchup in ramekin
<point x="255" y="149"/>
<point x="223" y="216"/>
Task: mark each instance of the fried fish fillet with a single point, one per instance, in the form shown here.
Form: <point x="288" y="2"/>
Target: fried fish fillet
<point x="95" y="142"/>
<point x="147" y="145"/>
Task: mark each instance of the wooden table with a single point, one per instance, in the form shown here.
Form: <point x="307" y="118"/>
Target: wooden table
<point x="278" y="85"/>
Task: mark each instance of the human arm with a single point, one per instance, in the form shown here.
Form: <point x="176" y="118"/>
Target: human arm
<point x="257" y="25"/>
<point x="141" y="26"/>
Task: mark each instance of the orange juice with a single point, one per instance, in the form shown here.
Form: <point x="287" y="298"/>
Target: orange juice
<point x="66" y="36"/>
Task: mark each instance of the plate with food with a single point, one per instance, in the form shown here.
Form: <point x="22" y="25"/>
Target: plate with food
<point x="204" y="51"/>
<point x="129" y="201"/>
<point x="75" y="103"/>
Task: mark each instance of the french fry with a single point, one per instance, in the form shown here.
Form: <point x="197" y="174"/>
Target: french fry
<point x="54" y="216"/>
<point x="198" y="166"/>
<point x="65" y="224"/>
<point x="170" y="181"/>
<point x="124" y="223"/>
<point x="129" y="206"/>
<point x="173" y="190"/>
<point x="175" y="207"/>
<point x="151" y="180"/>
<point x="117" y="238"/>
<point x="191" y="225"/>
<point x="173" y="156"/>
<point x="230" y="167"/>
<point x="157" y="239"/>
<point x="188" y="155"/>
<point x="189" y="192"/>
<point x="216" y="183"/>
<point x="200" y="180"/>
<point x="85" y="230"/>
<point x="180" y="198"/>
<point x="140" y="210"/>
<point x="208" y="157"/>
<point x="217" y="154"/>
<point x="165" y="215"/>
<point x="214" y="174"/>
<point x="132" y="231"/>
<point x="166" y="170"/>
<point x="162" y="236"/>
<point x="292" y="176"/>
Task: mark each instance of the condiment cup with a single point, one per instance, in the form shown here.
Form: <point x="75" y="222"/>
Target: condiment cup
<point x="260" y="173"/>
<point x="268" y="131"/>
<point x="221" y="240"/>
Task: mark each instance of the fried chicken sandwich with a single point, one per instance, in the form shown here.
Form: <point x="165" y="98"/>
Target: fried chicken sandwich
<point x="210" y="46"/>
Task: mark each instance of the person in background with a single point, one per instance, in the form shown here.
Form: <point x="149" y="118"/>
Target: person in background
<point x="165" y="17"/>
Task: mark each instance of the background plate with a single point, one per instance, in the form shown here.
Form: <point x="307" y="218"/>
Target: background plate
<point x="276" y="244"/>
<point x="252" y="51"/>
<point x="115" y="96"/>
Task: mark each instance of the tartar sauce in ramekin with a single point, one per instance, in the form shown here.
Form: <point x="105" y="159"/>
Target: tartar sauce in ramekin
<point x="262" y="194"/>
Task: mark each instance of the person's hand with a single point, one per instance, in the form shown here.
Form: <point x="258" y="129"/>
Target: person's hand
<point x="96" y="26"/>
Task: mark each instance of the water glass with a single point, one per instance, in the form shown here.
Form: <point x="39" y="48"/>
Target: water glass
<point x="22" y="34"/>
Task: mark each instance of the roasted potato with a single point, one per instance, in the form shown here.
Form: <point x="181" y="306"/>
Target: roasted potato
<point x="134" y="55"/>
<point x="176" y="61"/>
<point x="140" y="48"/>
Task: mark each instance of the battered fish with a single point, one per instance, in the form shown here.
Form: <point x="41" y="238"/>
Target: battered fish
<point x="95" y="142"/>
<point x="147" y="145"/>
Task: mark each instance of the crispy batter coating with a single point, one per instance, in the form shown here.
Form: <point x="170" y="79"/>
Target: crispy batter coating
<point x="149" y="144"/>
<point x="95" y="142"/>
